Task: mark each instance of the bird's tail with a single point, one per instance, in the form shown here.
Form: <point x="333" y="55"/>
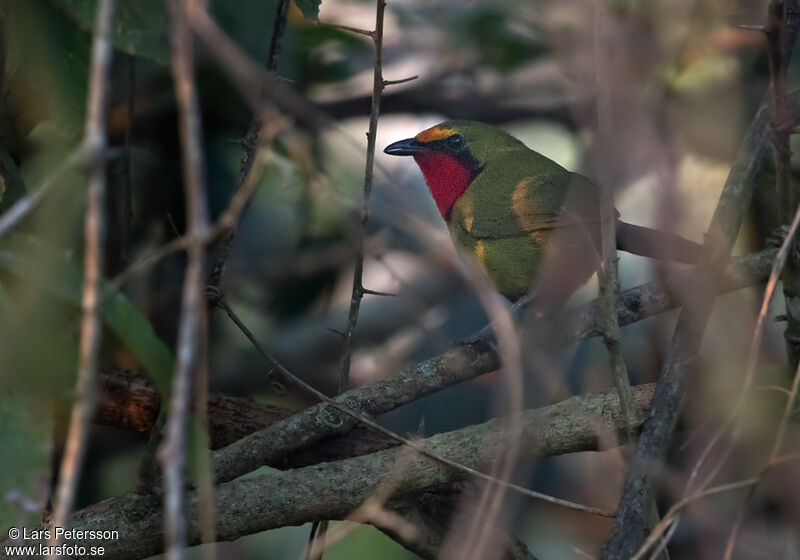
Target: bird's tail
<point x="657" y="244"/>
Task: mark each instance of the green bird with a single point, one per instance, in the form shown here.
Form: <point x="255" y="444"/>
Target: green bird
<point x="533" y="225"/>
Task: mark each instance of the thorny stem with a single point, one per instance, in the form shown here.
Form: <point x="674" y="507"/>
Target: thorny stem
<point x="358" y="288"/>
<point x="249" y="145"/>
<point x="317" y="544"/>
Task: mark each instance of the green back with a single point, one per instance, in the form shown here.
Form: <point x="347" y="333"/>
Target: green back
<point x="509" y="213"/>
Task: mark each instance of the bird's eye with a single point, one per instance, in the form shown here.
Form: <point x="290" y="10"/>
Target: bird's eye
<point x="455" y="141"/>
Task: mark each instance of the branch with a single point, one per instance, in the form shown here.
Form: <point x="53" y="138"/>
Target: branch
<point x="461" y="364"/>
<point x="94" y="142"/>
<point x="129" y="401"/>
<point x="630" y="525"/>
<point x="358" y="289"/>
<point x="608" y="273"/>
<point x="192" y="323"/>
<point x="333" y="490"/>
<point x="249" y="145"/>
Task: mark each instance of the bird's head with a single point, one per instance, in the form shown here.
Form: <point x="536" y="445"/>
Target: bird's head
<point x="451" y="154"/>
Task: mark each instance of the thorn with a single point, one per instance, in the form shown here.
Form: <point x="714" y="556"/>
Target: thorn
<point x="748" y="27"/>
<point x="214" y="294"/>
<point x="367" y="291"/>
<point x="237" y="141"/>
<point x="278" y="387"/>
<point x="395" y="82"/>
<point x="172" y="225"/>
<point x="336" y="331"/>
<point x="359" y="31"/>
<point x="780" y="318"/>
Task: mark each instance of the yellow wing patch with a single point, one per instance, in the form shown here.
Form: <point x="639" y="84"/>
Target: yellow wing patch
<point x="480" y="252"/>
<point x="519" y="197"/>
<point x="434" y="133"/>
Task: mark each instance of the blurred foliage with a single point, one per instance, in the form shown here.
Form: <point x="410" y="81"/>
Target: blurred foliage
<point x="683" y="82"/>
<point x="141" y="27"/>
<point x="120" y="316"/>
<point x="25" y="436"/>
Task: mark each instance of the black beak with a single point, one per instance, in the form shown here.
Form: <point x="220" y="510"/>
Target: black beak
<point x="407" y="147"/>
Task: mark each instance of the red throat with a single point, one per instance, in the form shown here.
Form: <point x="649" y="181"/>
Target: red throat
<point x="447" y="179"/>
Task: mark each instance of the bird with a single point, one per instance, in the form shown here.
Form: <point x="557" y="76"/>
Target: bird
<point x="530" y="223"/>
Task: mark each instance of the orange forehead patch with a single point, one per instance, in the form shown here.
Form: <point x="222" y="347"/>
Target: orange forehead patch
<point x="434" y="133"/>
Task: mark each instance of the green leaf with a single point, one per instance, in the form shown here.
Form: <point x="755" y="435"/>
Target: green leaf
<point x="118" y="313"/>
<point x="140" y="26"/>
<point x="310" y="8"/>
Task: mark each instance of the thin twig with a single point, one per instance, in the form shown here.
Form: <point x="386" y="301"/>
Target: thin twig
<point x="12" y="217"/>
<point x="317" y="545"/>
<point x="227" y="220"/>
<point x="249" y="145"/>
<point x="274" y="364"/>
<point x="629" y="527"/>
<point x="356" y="30"/>
<point x="774" y="32"/>
<point x="94" y="230"/>
<point x="333" y="490"/>
<point x="752" y="358"/>
<point x="192" y="320"/>
<point x="358" y="289"/>
<point x="462" y="364"/>
<point x="774" y="458"/>
<point x="608" y="275"/>
<point x="401" y="81"/>
<point x="674" y="511"/>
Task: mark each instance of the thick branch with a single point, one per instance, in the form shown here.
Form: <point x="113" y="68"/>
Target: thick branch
<point x="129" y="401"/>
<point x="461" y="364"/>
<point x="333" y="490"/>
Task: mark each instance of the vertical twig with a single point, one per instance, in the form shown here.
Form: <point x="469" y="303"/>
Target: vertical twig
<point x="781" y="38"/>
<point x="608" y="273"/>
<point x="94" y="229"/>
<point x="783" y="22"/>
<point x="629" y="526"/>
<point x="249" y="145"/>
<point x="774" y="32"/>
<point x="358" y="289"/>
<point x="193" y="310"/>
<point x="317" y="543"/>
<point x="127" y="207"/>
<point x="607" y="321"/>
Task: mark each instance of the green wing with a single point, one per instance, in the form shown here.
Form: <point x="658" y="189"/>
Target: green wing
<point x="526" y="195"/>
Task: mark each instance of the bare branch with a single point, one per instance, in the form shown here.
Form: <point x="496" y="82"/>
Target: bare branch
<point x="249" y="144"/>
<point x="22" y="207"/>
<point x="358" y="289"/>
<point x="629" y="528"/>
<point x="334" y="490"/>
<point x="458" y="365"/>
<point x="607" y="275"/>
<point x="94" y="143"/>
<point x="192" y="323"/>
